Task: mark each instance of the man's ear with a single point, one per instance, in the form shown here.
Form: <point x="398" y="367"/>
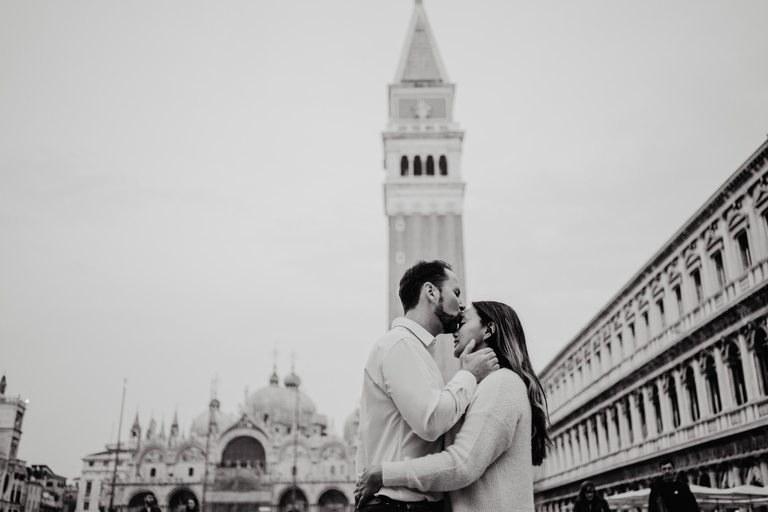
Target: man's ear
<point x="431" y="291"/>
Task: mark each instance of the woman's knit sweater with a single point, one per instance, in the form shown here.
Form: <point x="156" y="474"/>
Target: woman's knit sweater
<point x="486" y="464"/>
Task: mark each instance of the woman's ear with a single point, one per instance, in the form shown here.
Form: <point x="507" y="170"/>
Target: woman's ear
<point x="490" y="330"/>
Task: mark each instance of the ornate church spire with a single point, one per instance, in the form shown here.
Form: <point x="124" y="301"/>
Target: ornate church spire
<point x="151" y="428"/>
<point x="136" y="429"/>
<point x="173" y="436"/>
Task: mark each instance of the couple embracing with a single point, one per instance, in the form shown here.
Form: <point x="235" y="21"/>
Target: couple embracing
<point x="468" y="445"/>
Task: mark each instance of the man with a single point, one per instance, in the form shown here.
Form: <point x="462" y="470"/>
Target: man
<point x="668" y="494"/>
<point x="406" y="407"/>
<point x="150" y="504"/>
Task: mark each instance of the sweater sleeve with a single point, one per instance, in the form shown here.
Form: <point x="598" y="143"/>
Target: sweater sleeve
<point x="488" y="429"/>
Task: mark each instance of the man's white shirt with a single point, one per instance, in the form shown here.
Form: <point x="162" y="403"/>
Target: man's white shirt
<point x="406" y="407"/>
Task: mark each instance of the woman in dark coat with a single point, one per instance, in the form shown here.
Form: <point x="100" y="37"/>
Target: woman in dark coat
<point x="588" y="500"/>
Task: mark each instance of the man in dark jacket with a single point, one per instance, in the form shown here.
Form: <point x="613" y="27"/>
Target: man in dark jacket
<point x="668" y="494"/>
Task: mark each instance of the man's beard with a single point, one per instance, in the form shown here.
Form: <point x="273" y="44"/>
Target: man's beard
<point x="450" y="322"/>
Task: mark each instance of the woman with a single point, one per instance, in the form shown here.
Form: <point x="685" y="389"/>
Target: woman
<point x="487" y="463"/>
<point x="588" y="500"/>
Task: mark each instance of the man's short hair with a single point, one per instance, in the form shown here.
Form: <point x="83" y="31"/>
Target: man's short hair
<point x="665" y="461"/>
<point x="414" y="278"/>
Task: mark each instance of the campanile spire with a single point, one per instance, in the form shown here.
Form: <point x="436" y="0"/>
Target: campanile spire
<point x="423" y="189"/>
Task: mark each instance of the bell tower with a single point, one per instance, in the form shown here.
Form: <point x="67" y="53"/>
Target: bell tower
<point x="423" y="190"/>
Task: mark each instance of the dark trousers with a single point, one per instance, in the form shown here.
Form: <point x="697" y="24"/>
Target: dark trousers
<point x="385" y="504"/>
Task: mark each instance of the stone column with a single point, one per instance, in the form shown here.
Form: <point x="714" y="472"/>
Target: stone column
<point x="723" y="379"/>
<point x="623" y="424"/>
<point x="634" y="410"/>
<point x="602" y="436"/>
<point x="764" y="470"/>
<point x="666" y="420"/>
<point x="568" y="450"/>
<point x="561" y="458"/>
<point x="594" y="452"/>
<point x="750" y="377"/>
<point x="682" y="397"/>
<point x="584" y="444"/>
<point x="736" y="474"/>
<point x="712" y="473"/>
<point x="701" y="388"/>
<point x="576" y="443"/>
<point x="650" y="413"/>
<point x="613" y="435"/>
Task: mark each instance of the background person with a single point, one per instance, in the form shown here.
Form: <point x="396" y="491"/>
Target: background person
<point x="588" y="500"/>
<point x="668" y="494"/>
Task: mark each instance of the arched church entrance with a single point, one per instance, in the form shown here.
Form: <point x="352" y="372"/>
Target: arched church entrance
<point x="137" y="501"/>
<point x="177" y="502"/>
<point x="332" y="501"/>
<point x="244" y="452"/>
<point x="293" y="500"/>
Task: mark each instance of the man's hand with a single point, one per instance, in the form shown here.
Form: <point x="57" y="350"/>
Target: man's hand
<point x="369" y="483"/>
<point x="481" y="363"/>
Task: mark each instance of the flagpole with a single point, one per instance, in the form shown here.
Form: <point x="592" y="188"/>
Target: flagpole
<point x="117" y="451"/>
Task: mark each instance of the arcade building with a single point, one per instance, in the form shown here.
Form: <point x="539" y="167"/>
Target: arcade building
<point x="676" y="363"/>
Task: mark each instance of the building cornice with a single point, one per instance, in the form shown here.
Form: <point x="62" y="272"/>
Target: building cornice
<point x="698" y="220"/>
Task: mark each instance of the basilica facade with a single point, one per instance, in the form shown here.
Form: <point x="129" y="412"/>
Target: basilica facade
<point x="676" y="364"/>
<point x="277" y="455"/>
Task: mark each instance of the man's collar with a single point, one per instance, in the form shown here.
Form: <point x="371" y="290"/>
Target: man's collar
<point x="421" y="333"/>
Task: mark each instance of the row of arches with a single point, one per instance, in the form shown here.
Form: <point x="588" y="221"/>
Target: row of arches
<point x="292" y="499"/>
<point x="700" y="388"/>
<point x="417" y="166"/>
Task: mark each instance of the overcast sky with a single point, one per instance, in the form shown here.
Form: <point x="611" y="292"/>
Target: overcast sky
<point x="186" y="185"/>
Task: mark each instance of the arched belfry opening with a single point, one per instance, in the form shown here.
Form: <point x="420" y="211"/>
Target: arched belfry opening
<point x="244" y="452"/>
<point x="443" y="166"/>
<point x="404" y="166"/>
<point x="430" y="166"/>
<point x="417" y="166"/>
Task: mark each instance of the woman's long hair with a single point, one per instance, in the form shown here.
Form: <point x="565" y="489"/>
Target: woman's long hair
<point x="508" y="342"/>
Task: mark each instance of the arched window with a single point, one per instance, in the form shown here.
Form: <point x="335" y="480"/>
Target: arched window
<point x="404" y="166"/>
<point x="736" y="373"/>
<point x="713" y="387"/>
<point x="443" y="166"/>
<point x="244" y="452"/>
<point x="417" y="166"/>
<point x="761" y="355"/>
<point x="152" y="472"/>
<point x="430" y="166"/>
<point x="746" y="257"/>
<point x="672" y="392"/>
<point x="689" y="381"/>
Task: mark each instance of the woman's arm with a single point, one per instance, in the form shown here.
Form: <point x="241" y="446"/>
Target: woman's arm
<point x="487" y="432"/>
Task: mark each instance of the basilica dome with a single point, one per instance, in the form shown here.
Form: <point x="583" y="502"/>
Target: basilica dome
<point x="278" y="403"/>
<point x="200" y="423"/>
